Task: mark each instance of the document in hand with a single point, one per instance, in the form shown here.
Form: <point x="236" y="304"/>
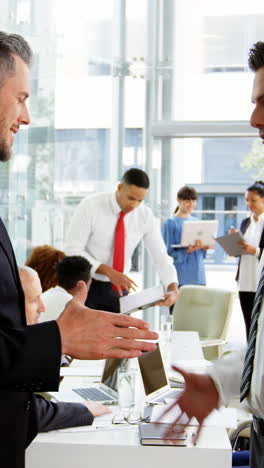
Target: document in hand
<point x="141" y="300"/>
<point x="153" y="434"/>
<point x="230" y="243"/>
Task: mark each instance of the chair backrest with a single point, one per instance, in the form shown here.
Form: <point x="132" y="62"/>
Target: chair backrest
<point x="205" y="310"/>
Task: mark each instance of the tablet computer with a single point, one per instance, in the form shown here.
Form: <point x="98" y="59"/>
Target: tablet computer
<point x="192" y="231"/>
<point x="230" y="243"/>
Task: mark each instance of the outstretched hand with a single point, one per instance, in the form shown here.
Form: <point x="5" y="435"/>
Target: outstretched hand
<point x="94" y="334"/>
<point x="199" y="398"/>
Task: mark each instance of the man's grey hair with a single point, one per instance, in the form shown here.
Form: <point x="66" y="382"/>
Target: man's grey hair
<point x="10" y="45"/>
<point x="26" y="272"/>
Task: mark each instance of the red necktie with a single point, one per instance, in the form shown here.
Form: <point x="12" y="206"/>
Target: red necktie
<point x="119" y="245"/>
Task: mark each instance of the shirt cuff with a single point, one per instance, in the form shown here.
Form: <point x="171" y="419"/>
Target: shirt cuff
<point x="226" y="374"/>
<point x="95" y="265"/>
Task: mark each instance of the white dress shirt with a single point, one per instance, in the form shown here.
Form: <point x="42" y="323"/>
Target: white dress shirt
<point x="92" y="229"/>
<point x="55" y="300"/>
<point x="227" y="371"/>
<point x="247" y="279"/>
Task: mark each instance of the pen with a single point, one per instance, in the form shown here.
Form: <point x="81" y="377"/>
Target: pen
<point x="107" y="428"/>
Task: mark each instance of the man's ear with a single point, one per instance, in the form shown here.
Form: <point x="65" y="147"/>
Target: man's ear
<point x="119" y="187"/>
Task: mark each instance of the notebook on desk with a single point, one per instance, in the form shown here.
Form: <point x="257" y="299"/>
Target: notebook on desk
<point x="104" y="392"/>
<point x="154" y="434"/>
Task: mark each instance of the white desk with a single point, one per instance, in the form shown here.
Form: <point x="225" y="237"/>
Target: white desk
<point x="121" y="446"/>
<point x="117" y="448"/>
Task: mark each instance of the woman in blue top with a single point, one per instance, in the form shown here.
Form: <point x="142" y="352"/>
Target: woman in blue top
<point x="188" y="261"/>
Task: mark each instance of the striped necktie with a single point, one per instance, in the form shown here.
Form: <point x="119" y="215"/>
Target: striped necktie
<point x="249" y="358"/>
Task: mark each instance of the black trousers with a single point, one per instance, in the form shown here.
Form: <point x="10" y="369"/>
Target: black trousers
<point x="257" y="444"/>
<point x="102" y="296"/>
<point x="246" y="302"/>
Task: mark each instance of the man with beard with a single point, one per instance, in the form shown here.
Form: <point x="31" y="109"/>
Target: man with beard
<point x="27" y="364"/>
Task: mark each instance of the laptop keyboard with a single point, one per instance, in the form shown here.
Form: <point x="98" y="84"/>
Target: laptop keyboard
<point x="172" y="394"/>
<point x="92" y="394"/>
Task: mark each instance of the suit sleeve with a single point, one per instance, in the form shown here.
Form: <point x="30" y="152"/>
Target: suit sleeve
<point x="30" y="357"/>
<point x="243" y="227"/>
<point x="52" y="416"/>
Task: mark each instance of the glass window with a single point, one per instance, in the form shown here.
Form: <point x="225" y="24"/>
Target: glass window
<point x="185" y="62"/>
<point x="230" y="219"/>
<point x="209" y="61"/>
<point x="208" y="204"/>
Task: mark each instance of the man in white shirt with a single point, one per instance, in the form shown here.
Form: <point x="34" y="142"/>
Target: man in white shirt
<point x="92" y="235"/>
<point x="69" y="271"/>
<point x="203" y="393"/>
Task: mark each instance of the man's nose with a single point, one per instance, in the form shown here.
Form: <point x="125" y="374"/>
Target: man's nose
<point x="257" y="118"/>
<point x="24" y="117"/>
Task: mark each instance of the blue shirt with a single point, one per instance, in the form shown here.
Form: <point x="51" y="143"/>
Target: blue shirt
<point x="189" y="267"/>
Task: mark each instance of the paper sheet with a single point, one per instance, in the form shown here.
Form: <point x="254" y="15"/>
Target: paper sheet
<point x="141" y="299"/>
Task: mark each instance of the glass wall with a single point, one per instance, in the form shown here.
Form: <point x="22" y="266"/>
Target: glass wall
<point x="29" y="177"/>
<point x="104" y="73"/>
<point x="88" y="110"/>
<point x="210" y="85"/>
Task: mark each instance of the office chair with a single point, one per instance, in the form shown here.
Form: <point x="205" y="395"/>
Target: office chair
<point x="207" y="311"/>
<point x="241" y="455"/>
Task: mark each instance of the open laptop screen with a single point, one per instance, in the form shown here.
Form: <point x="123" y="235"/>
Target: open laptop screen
<point x="109" y="377"/>
<point x="152" y="371"/>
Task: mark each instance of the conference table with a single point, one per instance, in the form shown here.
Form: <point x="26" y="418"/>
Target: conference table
<point x="119" y="445"/>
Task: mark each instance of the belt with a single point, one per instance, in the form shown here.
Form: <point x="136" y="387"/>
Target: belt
<point x="258" y="425"/>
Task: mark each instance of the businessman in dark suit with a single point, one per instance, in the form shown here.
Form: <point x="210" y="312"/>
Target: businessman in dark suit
<point x="26" y="364"/>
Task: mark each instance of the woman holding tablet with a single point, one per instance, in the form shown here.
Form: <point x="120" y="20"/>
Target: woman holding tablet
<point x="188" y="261"/>
<point x="252" y="229"/>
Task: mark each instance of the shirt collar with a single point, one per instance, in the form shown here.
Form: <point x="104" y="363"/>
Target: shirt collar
<point x="114" y="205"/>
<point x="260" y="218"/>
<point x="62" y="290"/>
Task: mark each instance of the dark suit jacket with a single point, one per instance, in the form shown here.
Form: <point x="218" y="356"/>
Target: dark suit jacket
<point x="52" y="416"/>
<point x="29" y="361"/>
<point x="243" y="227"/>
